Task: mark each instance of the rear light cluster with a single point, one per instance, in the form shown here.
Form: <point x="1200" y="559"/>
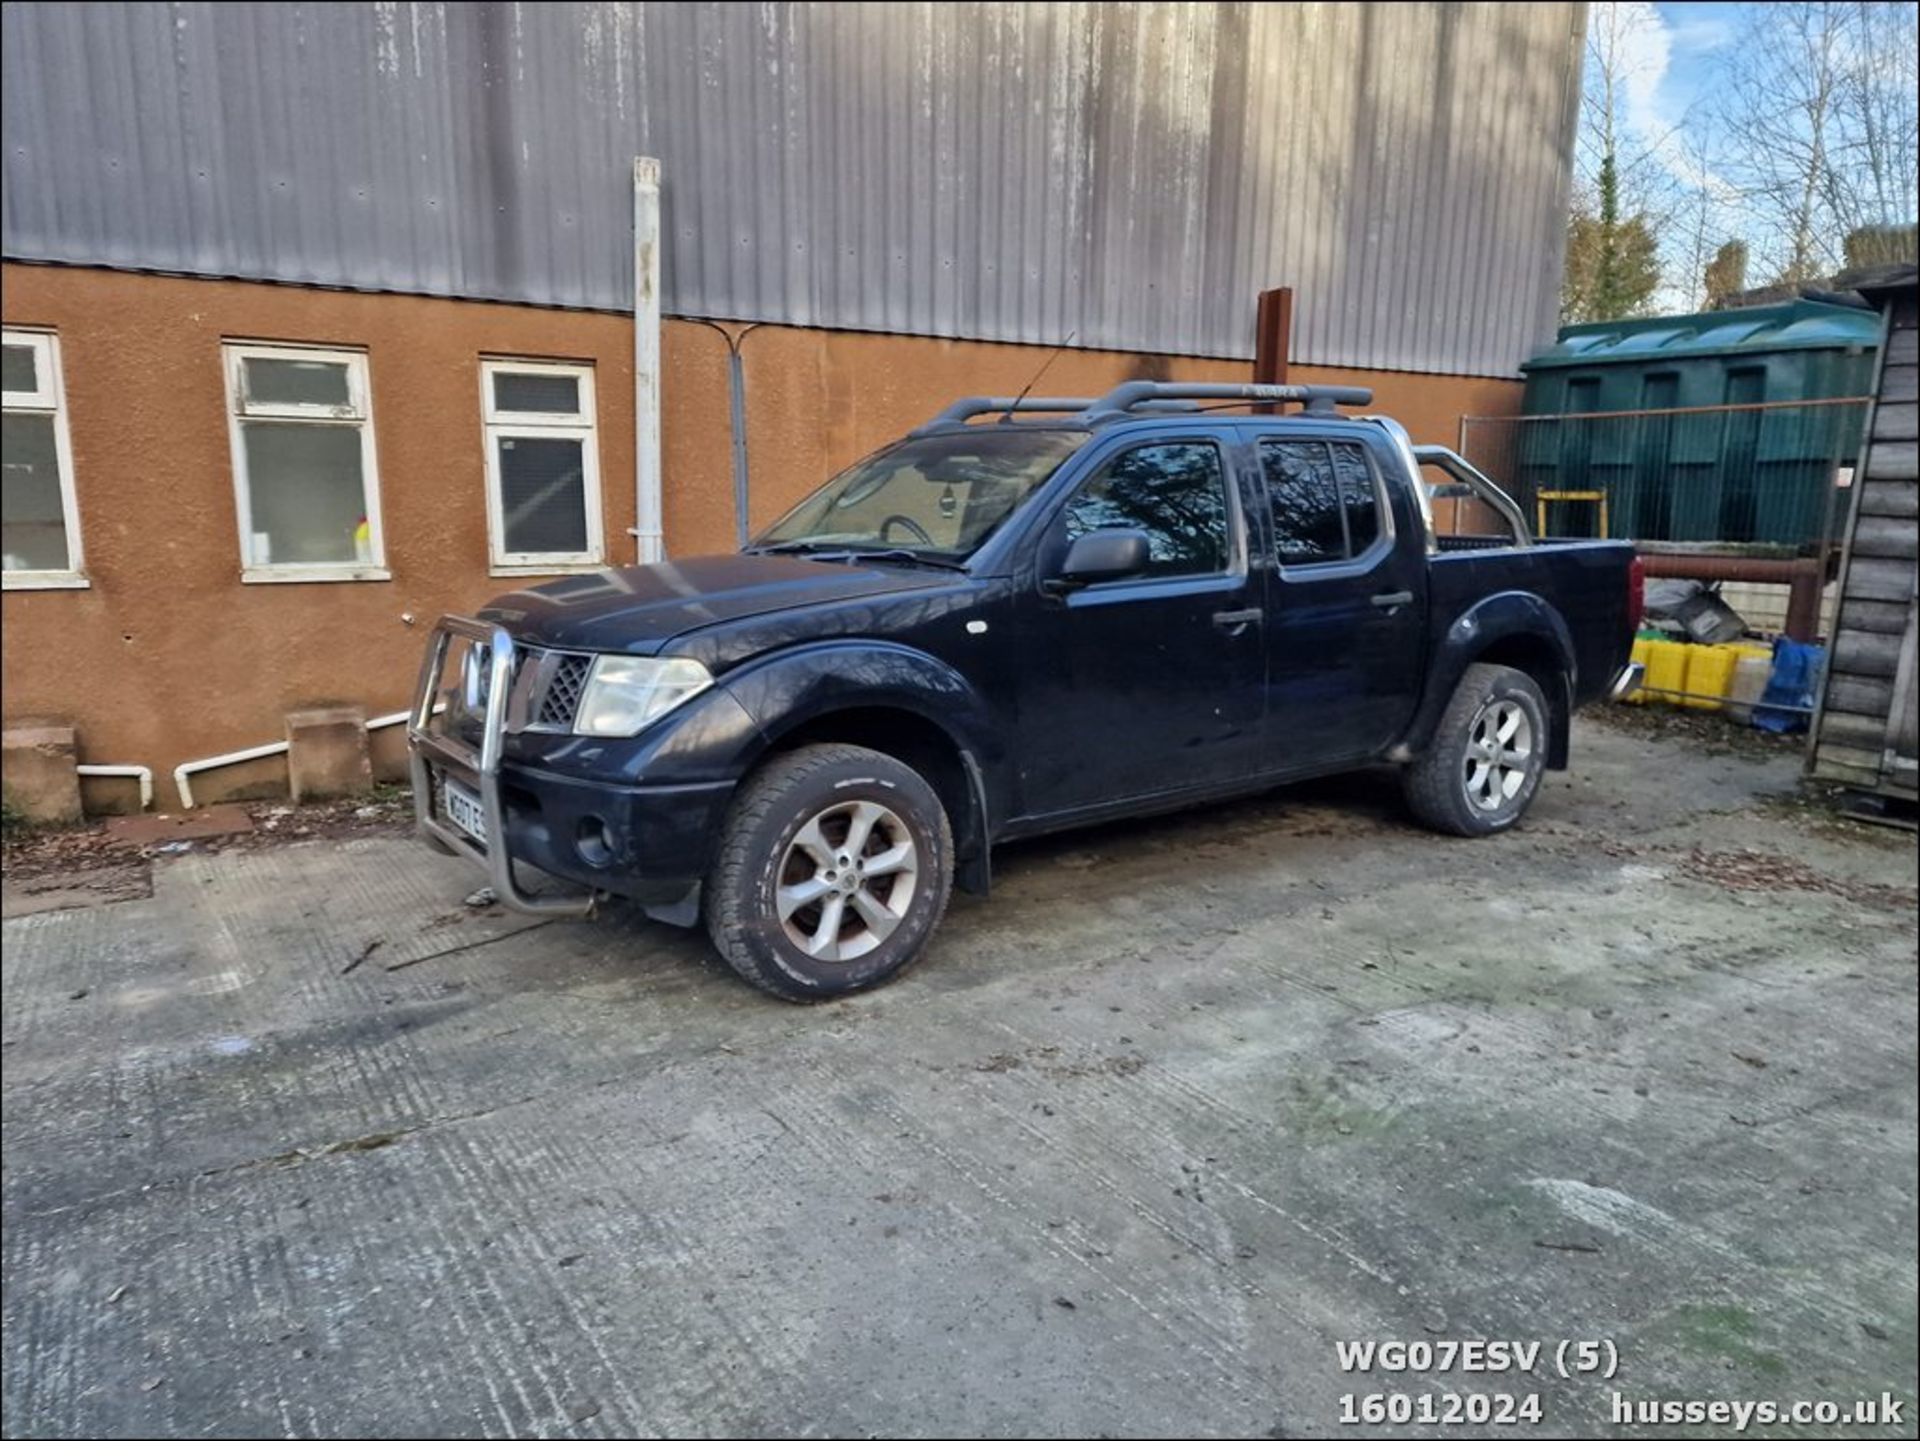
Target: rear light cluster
<point x="1636" y="592"/>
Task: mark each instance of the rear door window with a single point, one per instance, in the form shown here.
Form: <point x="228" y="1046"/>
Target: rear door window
<point x="1326" y="503"/>
<point x="1357" y="494"/>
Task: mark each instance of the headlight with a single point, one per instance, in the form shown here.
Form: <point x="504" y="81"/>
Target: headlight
<point x="625" y="693"/>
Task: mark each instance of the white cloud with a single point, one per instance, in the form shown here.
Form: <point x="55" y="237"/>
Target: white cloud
<point x="1645" y="48"/>
<point x="1643" y="42"/>
<point x="1700" y="34"/>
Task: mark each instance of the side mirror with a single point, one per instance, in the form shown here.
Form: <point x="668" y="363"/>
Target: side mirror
<point x="1105" y="555"/>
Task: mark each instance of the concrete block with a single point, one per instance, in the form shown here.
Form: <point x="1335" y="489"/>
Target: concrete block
<point x="193" y="825"/>
<point x="327" y="752"/>
<point x="392" y="762"/>
<point x="37" y="759"/>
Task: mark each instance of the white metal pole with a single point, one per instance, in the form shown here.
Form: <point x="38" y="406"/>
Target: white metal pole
<point x="648" y="530"/>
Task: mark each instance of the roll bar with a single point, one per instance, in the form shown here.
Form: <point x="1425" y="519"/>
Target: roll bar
<point x="1481" y="487"/>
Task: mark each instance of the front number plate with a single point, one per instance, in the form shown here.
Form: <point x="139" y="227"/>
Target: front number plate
<point x="463" y="808"/>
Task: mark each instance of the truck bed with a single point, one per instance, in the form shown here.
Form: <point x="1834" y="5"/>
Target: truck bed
<point x="1584" y="580"/>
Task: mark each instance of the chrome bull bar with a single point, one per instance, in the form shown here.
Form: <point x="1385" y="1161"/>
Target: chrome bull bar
<point x="428" y="748"/>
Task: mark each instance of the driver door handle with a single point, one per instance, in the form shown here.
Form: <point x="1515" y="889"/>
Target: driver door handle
<point x="1393" y="599"/>
<point x="1235" y="621"/>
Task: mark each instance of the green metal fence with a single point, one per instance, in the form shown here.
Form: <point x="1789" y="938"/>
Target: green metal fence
<point x="1765" y="475"/>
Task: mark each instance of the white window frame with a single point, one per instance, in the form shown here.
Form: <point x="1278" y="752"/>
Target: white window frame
<point x="49" y="398"/>
<point x="498" y="425"/>
<point x="358" y="412"/>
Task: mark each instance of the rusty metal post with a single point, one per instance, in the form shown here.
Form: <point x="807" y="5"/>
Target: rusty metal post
<point x="1801" y="576"/>
<point x="1805" y="591"/>
<point x="1272" y="340"/>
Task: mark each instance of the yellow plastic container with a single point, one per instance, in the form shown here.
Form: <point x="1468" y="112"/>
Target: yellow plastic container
<point x="1709" y="675"/>
<point x="1666" y="662"/>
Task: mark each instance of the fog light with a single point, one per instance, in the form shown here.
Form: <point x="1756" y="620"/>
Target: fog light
<point x="594" y="841"/>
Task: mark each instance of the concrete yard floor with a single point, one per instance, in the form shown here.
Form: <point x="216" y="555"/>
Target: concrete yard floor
<point x="300" y="1144"/>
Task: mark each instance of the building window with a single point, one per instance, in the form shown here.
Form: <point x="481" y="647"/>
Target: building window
<point x="543" y="467"/>
<point x="303" y="466"/>
<point x="39" y="522"/>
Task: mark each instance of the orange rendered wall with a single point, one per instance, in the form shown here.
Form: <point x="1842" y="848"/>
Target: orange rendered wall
<point x="167" y="656"/>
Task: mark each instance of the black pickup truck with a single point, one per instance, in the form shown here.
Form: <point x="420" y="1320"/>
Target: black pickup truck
<point x="1026" y="615"/>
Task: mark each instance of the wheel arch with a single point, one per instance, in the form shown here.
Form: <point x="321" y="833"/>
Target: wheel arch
<point x="1513" y="628"/>
<point x="900" y="702"/>
<point x="914" y="740"/>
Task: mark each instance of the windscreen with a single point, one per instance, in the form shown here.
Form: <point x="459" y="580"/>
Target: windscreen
<point x="939" y="495"/>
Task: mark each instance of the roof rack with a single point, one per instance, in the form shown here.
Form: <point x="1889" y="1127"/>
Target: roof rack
<point x="970" y="406"/>
<point x="1137" y="395"/>
<point x="1156" y="397"/>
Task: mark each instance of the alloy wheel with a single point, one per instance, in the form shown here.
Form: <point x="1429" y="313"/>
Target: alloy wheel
<point x="1500" y="756"/>
<point x="846" y="881"/>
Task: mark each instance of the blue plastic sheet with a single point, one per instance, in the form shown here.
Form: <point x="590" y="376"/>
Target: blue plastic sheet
<point x="1794" y="681"/>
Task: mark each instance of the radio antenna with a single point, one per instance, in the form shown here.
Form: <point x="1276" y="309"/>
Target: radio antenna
<point x="1044" y="366"/>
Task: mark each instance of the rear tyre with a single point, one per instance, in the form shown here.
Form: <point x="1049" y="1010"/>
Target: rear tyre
<point x="834" y="867"/>
<point x="1481" y="771"/>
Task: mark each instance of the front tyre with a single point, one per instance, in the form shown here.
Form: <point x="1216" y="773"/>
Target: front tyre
<point x="1483" y="767"/>
<point x="834" y="868"/>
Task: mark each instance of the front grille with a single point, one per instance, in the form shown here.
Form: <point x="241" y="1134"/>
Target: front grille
<point x="555" y="706"/>
<point x="484" y="681"/>
<point x="544" y="691"/>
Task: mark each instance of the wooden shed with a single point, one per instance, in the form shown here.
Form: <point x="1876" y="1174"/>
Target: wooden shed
<point x="1864" y="727"/>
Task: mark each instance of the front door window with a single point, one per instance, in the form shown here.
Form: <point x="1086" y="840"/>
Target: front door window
<point x="1176" y="493"/>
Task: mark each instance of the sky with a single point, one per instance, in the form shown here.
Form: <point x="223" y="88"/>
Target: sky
<point x="1673" y="65"/>
<point x="1672" y="50"/>
<point x="1673" y="54"/>
<point x="1693" y="32"/>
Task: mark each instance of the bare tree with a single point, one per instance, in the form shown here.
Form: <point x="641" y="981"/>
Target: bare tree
<point x="1612" y="245"/>
<point x="1817" y="110"/>
<point x="1616" y="58"/>
<point x="1697" y="220"/>
<point x="1880" y="179"/>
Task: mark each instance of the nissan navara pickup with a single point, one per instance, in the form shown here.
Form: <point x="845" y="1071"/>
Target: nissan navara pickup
<point x="1027" y="615"/>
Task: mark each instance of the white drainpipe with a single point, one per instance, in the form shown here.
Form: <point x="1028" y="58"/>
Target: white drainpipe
<point x="649" y="535"/>
<point x="138" y="773"/>
<point x="231" y="758"/>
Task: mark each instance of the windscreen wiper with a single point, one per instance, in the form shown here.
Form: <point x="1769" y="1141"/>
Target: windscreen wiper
<point x="840" y="550"/>
<point x="793" y="547"/>
<point x="889" y="552"/>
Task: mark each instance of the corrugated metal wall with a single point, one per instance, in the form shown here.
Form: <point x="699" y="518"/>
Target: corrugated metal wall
<point x="1133" y="173"/>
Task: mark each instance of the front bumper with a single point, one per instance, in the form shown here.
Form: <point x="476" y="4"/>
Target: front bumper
<point x="646" y="842"/>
